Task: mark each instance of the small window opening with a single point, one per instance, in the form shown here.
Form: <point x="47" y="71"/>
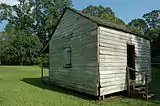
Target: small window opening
<point x="67" y="57"/>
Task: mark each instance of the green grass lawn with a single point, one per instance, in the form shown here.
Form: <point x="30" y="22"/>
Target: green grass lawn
<point x="21" y="86"/>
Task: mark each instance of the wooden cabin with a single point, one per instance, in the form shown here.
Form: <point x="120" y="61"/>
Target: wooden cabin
<point x="91" y="55"/>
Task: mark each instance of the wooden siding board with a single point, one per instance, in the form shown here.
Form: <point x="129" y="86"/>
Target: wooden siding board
<point x="113" y="58"/>
<point x="112" y="89"/>
<point x="81" y="35"/>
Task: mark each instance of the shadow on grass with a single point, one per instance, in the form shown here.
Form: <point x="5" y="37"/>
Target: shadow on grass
<point x="154" y="87"/>
<point x="37" y="82"/>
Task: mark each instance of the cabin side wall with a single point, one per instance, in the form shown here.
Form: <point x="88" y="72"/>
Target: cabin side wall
<point x="81" y="35"/>
<point x="113" y="58"/>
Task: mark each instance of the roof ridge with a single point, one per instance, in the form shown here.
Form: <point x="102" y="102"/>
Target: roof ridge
<point x="106" y="23"/>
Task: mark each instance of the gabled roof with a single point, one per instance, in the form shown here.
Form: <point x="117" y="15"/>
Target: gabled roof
<point x="100" y="22"/>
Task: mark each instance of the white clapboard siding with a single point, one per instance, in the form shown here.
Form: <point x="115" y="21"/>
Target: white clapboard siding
<point x="112" y="72"/>
<point x="112" y="89"/>
<point x="113" y="58"/>
<point x="81" y="35"/>
<point x="108" y="76"/>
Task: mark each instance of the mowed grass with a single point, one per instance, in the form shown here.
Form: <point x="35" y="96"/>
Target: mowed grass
<point x="21" y="86"/>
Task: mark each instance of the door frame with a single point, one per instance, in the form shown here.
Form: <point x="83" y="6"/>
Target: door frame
<point x="131" y="60"/>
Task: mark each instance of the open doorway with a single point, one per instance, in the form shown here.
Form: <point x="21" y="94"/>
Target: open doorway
<point x="131" y="60"/>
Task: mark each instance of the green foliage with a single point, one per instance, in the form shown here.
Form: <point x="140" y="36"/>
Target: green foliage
<point x="149" y="24"/>
<point x="39" y="17"/>
<point x="139" y="24"/>
<point x="20" y="48"/>
<point x="30" y="26"/>
<point x="135" y="30"/>
<point x="2" y="47"/>
<point x="152" y="18"/>
<point x="104" y="13"/>
<point x="43" y="60"/>
<point x="153" y="33"/>
<point x="98" y="10"/>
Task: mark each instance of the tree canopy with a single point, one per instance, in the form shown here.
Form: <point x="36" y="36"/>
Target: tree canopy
<point x="149" y="24"/>
<point x="30" y="25"/>
<point x="140" y="24"/>
<point x="104" y="13"/>
<point x="38" y="17"/>
<point x="152" y="18"/>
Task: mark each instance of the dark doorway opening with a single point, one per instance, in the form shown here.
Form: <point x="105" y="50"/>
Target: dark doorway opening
<point x="131" y="60"/>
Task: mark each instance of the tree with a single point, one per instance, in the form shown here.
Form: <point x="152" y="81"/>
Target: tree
<point x="20" y="48"/>
<point x="38" y="17"/>
<point x="153" y="18"/>
<point x="149" y="24"/>
<point x="30" y="24"/>
<point x="2" y="38"/>
<point x="104" y="13"/>
<point x="153" y="34"/>
<point x="98" y="10"/>
<point x="140" y="24"/>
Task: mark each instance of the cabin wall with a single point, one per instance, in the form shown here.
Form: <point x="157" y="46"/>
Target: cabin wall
<point x="81" y="35"/>
<point x="113" y="58"/>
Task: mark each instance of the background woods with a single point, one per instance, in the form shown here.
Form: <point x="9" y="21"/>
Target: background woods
<point x="32" y="22"/>
<point x="30" y="25"/>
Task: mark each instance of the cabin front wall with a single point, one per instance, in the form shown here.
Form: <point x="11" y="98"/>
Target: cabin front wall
<point x="80" y="34"/>
<point x="113" y="58"/>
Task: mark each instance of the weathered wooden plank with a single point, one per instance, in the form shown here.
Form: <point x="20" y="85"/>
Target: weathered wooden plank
<point x="73" y="83"/>
<point x="108" y="76"/>
<point x="112" y="68"/>
<point x="118" y="35"/>
<point x="112" y="84"/>
<point x="75" y="79"/>
<point x="122" y="49"/>
<point x="79" y="88"/>
<point x="81" y="35"/>
<point x="108" y="80"/>
<point x="112" y="53"/>
<point x="124" y="46"/>
<point x="106" y="50"/>
<point x="112" y="72"/>
<point x="120" y="38"/>
<point x="72" y="28"/>
<point x="138" y="68"/>
<point x="76" y="33"/>
<point x="112" y="44"/>
<point x="111" y="60"/>
<point x="111" y="57"/>
<point x="122" y="34"/>
<point x="112" y="41"/>
<point x="112" y="89"/>
<point x="112" y="77"/>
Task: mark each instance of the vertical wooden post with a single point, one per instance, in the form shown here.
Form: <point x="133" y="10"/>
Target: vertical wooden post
<point x="128" y="81"/>
<point x="42" y="71"/>
<point x="101" y="98"/>
<point x="42" y="67"/>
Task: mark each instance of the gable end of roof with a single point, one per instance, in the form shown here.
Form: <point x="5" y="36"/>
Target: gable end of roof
<point x="96" y="20"/>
